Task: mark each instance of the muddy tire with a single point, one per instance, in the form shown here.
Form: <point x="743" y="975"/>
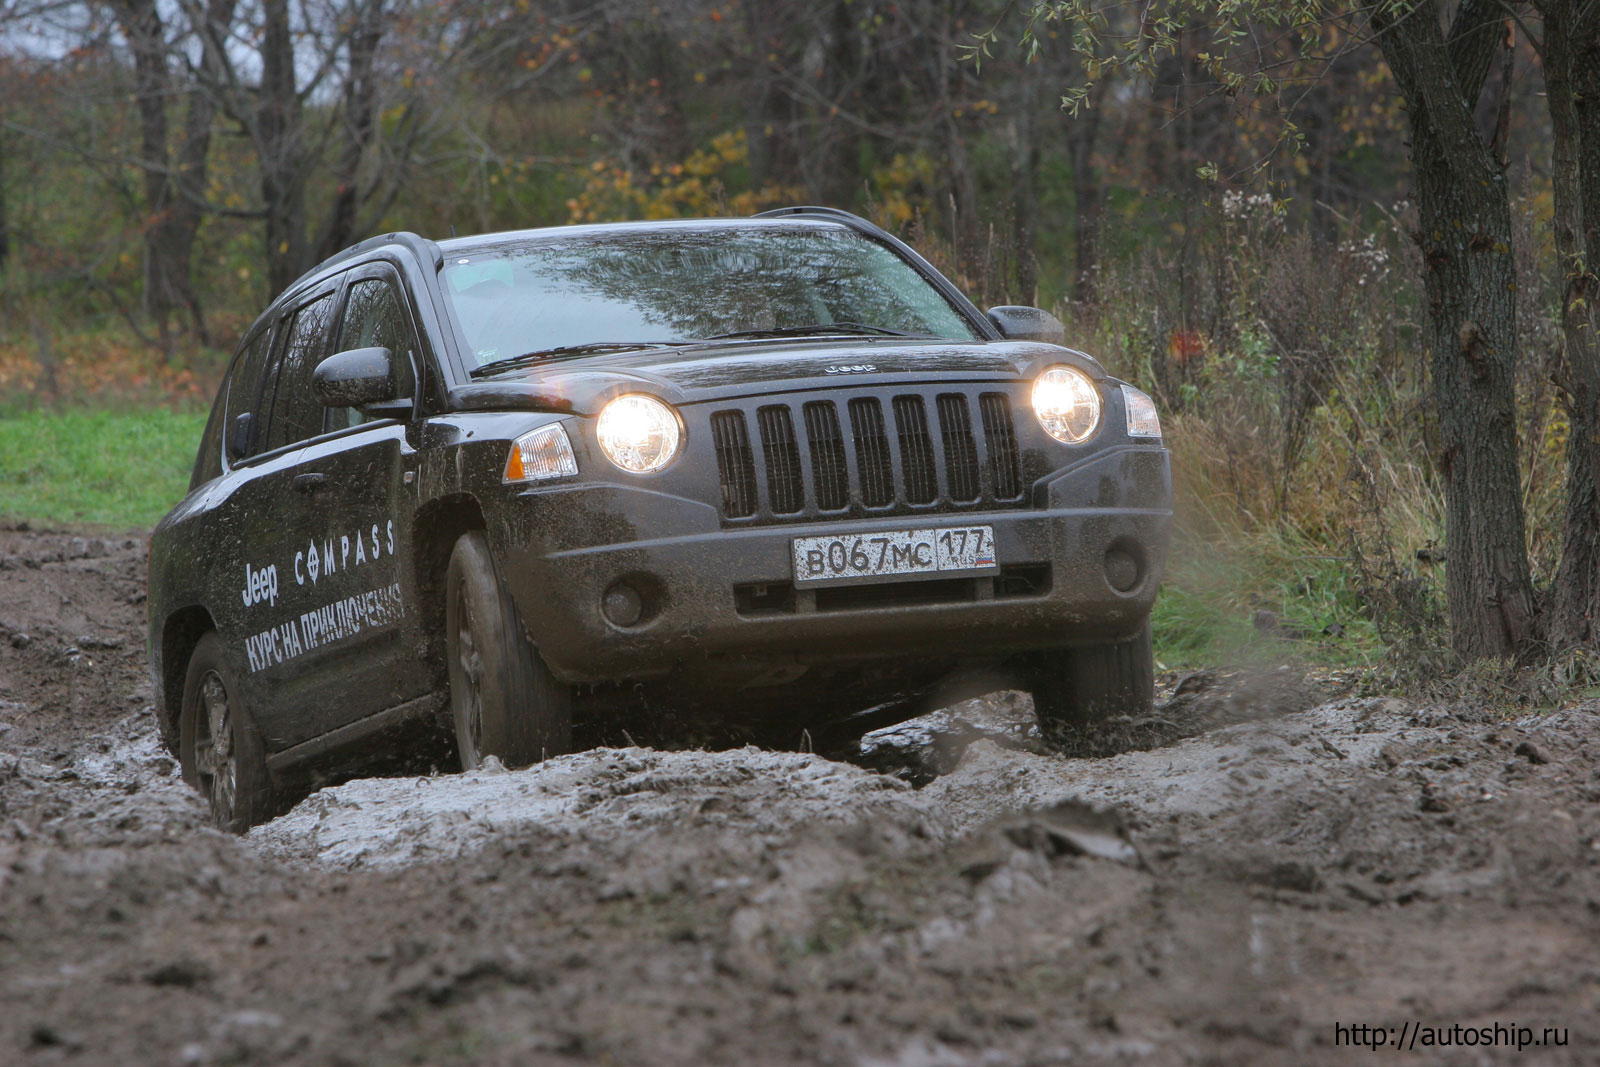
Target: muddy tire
<point x="219" y="747"/>
<point x="503" y="699"/>
<point x="1075" y="688"/>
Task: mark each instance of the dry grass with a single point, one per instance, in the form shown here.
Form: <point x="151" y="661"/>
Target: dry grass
<point x="1291" y="375"/>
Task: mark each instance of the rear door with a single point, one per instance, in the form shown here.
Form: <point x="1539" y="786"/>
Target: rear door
<point x="266" y="635"/>
<point x="215" y="535"/>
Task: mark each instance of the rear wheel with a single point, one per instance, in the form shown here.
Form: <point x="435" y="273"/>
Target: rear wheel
<point x="1074" y="688"/>
<point x="218" y="746"/>
<point x="504" y="700"/>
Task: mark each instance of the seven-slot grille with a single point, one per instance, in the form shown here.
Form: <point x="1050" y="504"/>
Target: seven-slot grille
<point x="914" y="450"/>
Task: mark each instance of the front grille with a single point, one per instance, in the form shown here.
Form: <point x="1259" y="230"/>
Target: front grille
<point x="872" y="452"/>
<point x="785" y="489"/>
<point x="960" y="450"/>
<point x="1001" y="439"/>
<point x="867" y="467"/>
<point x="920" y="480"/>
<point x="829" y="475"/>
<point x="735" y="463"/>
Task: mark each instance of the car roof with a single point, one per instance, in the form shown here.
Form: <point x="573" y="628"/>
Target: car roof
<point x="664" y="226"/>
<point x="433" y="251"/>
<point x="799" y="217"/>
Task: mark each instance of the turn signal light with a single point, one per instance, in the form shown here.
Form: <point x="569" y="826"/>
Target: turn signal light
<point x="541" y="455"/>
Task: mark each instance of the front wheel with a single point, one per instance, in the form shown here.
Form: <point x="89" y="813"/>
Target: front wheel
<point x="218" y="747"/>
<point x="504" y="700"/>
<point x="1075" y="688"/>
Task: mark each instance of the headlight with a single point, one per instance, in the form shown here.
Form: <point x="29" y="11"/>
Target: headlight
<point x="638" y="433"/>
<point x="540" y="456"/>
<point x="1067" y="403"/>
<point x="1142" y="418"/>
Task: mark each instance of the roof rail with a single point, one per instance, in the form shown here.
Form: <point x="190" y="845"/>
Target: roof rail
<point x="855" y="222"/>
<point x="425" y="249"/>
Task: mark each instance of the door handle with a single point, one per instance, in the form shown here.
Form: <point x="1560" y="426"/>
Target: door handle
<point x="310" y="483"/>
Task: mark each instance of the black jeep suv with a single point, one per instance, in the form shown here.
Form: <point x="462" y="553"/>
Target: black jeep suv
<point x="776" y="468"/>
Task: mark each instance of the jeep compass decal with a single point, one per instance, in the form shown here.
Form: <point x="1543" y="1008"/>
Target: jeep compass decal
<point x="260" y="585"/>
<point x="324" y="626"/>
<point x="313" y="564"/>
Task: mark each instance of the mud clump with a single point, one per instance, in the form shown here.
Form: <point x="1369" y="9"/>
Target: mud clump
<point x="1228" y="882"/>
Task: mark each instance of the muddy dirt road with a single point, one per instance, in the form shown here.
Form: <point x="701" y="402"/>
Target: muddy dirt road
<point x="1414" y="874"/>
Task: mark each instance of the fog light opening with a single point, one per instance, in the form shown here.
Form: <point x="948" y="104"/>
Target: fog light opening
<point x="622" y="605"/>
<point x="1124" y="569"/>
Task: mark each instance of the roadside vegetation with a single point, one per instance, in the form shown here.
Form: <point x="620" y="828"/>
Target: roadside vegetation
<point x="100" y="467"/>
<point x="1266" y="289"/>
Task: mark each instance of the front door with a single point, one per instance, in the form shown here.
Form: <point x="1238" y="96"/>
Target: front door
<point x="343" y="544"/>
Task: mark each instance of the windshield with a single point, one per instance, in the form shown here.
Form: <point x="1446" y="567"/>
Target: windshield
<point x="674" y="286"/>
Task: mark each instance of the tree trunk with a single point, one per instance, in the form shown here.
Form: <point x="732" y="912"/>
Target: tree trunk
<point x="174" y="182"/>
<point x="279" y="147"/>
<point x="1572" y="83"/>
<point x="1082" y="134"/>
<point x="360" y="122"/>
<point x="164" y="280"/>
<point x="193" y="159"/>
<point x="5" y="226"/>
<point x="1024" y="197"/>
<point x="1471" y="287"/>
<point x="1587" y="66"/>
<point x="958" y="192"/>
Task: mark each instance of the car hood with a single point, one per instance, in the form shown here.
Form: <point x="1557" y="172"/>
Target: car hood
<point x="694" y="375"/>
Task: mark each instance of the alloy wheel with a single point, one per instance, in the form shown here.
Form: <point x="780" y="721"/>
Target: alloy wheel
<point x="213" y="753"/>
<point x="471" y="664"/>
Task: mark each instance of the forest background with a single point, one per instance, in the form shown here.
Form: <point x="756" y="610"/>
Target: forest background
<point x="1245" y="251"/>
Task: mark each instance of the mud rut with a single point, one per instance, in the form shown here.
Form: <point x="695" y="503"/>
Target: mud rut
<point x="1267" y="870"/>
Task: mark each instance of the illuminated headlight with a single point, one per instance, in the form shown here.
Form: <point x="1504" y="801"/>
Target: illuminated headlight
<point x="1142" y="418"/>
<point x="541" y="455"/>
<point x="1067" y="403"/>
<point x="638" y="433"/>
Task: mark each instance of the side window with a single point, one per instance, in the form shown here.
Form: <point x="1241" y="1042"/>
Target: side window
<point x="374" y="316"/>
<point x="208" y="461"/>
<point x="296" y="414"/>
<point x="245" y="392"/>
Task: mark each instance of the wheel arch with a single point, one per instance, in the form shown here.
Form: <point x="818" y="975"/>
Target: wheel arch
<point x="436" y="528"/>
<point x="179" y="635"/>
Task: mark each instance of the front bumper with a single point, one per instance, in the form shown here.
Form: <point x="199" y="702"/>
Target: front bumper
<point x="717" y="594"/>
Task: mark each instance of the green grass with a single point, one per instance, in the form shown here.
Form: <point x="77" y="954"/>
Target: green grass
<point x="109" y="468"/>
<point x="1205" y="614"/>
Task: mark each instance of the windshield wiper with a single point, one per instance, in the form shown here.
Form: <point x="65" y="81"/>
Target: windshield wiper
<point x="819" y="328"/>
<point x="589" y="349"/>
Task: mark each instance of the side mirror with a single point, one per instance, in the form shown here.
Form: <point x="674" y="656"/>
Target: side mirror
<point x="358" y="378"/>
<point x="241" y="434"/>
<point x="1017" y="323"/>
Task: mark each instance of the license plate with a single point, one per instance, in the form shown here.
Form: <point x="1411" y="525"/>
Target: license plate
<point x="944" y="550"/>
